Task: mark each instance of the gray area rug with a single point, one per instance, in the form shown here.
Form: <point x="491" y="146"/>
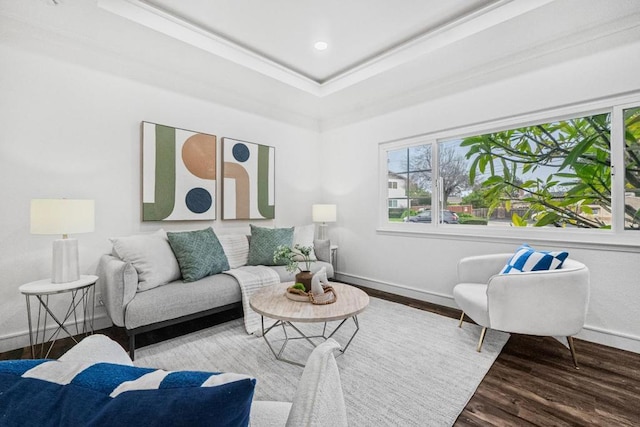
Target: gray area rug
<point x="405" y="367"/>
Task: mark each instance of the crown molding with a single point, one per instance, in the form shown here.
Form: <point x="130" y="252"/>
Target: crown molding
<point x="172" y="26"/>
<point x="159" y="20"/>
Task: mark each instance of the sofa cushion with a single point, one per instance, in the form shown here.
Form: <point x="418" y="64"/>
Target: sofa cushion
<point x="199" y="253"/>
<point x="236" y="248"/>
<point x="50" y="392"/>
<point x="151" y="256"/>
<point x="179" y="299"/>
<point x="528" y="259"/>
<point x="265" y="241"/>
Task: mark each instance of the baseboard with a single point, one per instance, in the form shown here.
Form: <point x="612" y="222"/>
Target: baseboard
<point x="403" y="290"/>
<point x="20" y="339"/>
<point x="616" y="339"/>
<point x="608" y="337"/>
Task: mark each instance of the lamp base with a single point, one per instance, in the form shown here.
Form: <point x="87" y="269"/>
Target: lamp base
<point x="66" y="267"/>
<point x="322" y="231"/>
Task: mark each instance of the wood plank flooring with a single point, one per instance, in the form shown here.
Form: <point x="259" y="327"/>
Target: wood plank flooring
<point x="532" y="383"/>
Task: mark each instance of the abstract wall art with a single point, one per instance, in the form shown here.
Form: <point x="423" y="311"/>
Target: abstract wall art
<point x="248" y="172"/>
<point x="178" y="174"/>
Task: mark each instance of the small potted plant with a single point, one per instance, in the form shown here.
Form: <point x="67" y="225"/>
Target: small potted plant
<point x="297" y="258"/>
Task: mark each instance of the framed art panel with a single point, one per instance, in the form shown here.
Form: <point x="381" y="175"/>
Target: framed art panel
<point x="248" y="180"/>
<point x="178" y="174"/>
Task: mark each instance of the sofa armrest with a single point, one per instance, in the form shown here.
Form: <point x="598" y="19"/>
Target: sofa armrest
<point x="322" y="248"/>
<point x="96" y="349"/>
<point x="269" y="414"/>
<point x="117" y="284"/>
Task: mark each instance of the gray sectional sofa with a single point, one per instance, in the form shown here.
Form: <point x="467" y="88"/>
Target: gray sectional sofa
<point x="139" y="308"/>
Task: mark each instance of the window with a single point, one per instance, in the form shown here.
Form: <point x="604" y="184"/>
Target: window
<point x="409" y="181"/>
<point x="556" y="174"/>
<point x="550" y="174"/>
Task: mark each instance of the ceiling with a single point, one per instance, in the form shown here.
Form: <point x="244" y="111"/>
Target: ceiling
<point x="284" y="31"/>
<point x="258" y="56"/>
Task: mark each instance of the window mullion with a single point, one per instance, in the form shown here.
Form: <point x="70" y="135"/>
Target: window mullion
<point x="618" y="170"/>
<point x="435" y="183"/>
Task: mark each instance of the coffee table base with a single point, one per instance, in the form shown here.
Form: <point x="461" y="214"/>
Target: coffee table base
<point x="303" y="336"/>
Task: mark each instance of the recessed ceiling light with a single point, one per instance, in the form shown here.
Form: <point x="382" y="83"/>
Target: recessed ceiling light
<point x="321" y="45"/>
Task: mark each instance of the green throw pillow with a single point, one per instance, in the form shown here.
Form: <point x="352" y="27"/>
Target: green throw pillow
<point x="265" y="241"/>
<point x="199" y="253"/>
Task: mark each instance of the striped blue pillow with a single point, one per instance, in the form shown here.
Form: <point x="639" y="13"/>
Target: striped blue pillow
<point x="528" y="259"/>
<point x="54" y="393"/>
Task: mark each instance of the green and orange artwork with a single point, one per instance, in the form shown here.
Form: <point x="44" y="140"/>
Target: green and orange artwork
<point x="179" y="174"/>
<point x="248" y="171"/>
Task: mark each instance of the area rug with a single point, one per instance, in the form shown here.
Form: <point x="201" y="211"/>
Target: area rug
<point x="405" y="367"/>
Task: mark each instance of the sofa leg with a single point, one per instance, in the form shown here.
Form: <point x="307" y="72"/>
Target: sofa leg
<point x="484" y="331"/>
<point x="573" y="352"/>
<point x="461" y="319"/>
<point x="132" y="346"/>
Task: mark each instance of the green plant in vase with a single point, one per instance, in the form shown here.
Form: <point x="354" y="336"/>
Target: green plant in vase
<point x="297" y="258"/>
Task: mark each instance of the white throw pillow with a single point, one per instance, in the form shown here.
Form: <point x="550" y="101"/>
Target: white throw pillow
<point x="303" y="236"/>
<point x="151" y="256"/>
<point x="236" y="248"/>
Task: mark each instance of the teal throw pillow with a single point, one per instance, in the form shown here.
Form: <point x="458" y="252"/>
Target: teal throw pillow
<point x="265" y="241"/>
<point x="199" y="253"/>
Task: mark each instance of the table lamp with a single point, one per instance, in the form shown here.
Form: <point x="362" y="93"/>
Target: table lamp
<point x="323" y="214"/>
<point x="64" y="217"/>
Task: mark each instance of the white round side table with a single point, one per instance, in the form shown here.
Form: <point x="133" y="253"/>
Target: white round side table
<point x="82" y="298"/>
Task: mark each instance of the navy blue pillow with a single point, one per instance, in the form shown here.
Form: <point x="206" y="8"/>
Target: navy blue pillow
<point x="53" y="393"/>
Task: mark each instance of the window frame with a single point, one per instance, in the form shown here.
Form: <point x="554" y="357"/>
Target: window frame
<point x="616" y="236"/>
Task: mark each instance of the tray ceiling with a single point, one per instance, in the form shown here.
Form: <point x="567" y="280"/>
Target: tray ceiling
<point x="257" y="55"/>
<point x="276" y="38"/>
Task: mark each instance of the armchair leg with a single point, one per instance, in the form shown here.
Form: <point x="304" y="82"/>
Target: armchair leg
<point x="461" y="319"/>
<point x="484" y="331"/>
<point x="573" y="352"/>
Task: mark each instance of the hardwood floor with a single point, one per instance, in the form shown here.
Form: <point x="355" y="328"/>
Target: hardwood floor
<point x="532" y="383"/>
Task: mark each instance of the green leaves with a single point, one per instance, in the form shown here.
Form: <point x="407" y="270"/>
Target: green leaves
<point x="558" y="170"/>
<point x="293" y="256"/>
<point x="517" y="221"/>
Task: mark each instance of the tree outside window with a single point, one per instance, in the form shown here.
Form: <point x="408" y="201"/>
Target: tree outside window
<point x="632" y="168"/>
<point x="556" y="174"/>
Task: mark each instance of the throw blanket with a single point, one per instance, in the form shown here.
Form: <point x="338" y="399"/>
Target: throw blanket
<point x="252" y="278"/>
<point x="319" y="400"/>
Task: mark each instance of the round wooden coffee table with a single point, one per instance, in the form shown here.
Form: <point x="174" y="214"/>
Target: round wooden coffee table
<point x="272" y="302"/>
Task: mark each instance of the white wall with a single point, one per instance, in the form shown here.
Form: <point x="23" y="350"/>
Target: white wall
<point x="425" y="267"/>
<point x="68" y="131"/>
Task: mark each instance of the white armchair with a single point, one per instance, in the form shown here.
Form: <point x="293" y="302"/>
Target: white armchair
<point x="544" y="303"/>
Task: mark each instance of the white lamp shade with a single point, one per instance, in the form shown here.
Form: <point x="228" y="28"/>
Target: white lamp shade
<point x="323" y="213"/>
<point x="62" y="216"/>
